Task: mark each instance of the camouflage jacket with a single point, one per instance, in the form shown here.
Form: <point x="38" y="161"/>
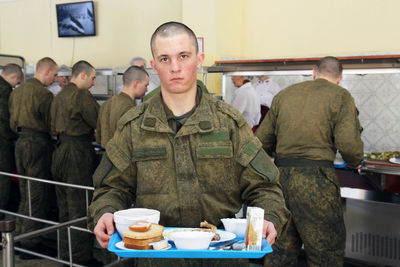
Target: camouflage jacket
<point x="205" y="171"/>
<point x="312" y="120"/>
<point x="5" y="91"/>
<point x="109" y="114"/>
<point x="30" y="107"/>
<point x="74" y="112"/>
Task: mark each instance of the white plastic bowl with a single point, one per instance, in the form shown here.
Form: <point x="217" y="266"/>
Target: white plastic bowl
<point x="192" y="239"/>
<point x="237" y="226"/>
<point x="125" y="218"/>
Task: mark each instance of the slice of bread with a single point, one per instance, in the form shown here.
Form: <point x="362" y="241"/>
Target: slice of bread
<point x="140" y="243"/>
<point x="154" y="231"/>
<point x="140" y="227"/>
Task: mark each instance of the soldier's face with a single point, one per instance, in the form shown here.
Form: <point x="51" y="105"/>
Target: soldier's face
<point x="176" y="62"/>
<point x="142" y="87"/>
<point x="51" y="76"/>
<point x="89" y="79"/>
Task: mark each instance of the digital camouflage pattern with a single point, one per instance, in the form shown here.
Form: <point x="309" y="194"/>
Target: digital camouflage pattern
<point x="6" y="144"/>
<point x="310" y="121"/>
<point x="312" y="195"/>
<point x="30" y="107"/>
<point x="33" y="158"/>
<point x="74" y="112"/>
<point x="109" y="114"/>
<point x="74" y="115"/>
<point x="74" y="162"/>
<point x="205" y="171"/>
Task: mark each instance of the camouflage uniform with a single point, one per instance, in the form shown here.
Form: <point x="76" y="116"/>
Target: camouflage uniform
<point x="305" y="126"/>
<point x="109" y="114"/>
<point x="204" y="171"/>
<point x="6" y="145"/>
<point x="74" y="115"/>
<point x="30" y="117"/>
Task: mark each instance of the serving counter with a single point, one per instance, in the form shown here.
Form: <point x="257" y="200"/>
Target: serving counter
<point x="372" y="212"/>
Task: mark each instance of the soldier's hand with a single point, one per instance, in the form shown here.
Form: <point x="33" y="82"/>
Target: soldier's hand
<point x="104" y="229"/>
<point x="269" y="232"/>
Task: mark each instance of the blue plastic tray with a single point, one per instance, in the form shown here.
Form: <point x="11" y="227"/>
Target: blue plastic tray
<point x="176" y="253"/>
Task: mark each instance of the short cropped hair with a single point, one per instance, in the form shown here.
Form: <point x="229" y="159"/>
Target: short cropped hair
<point x="46" y="62"/>
<point x="11" y="69"/>
<point x="134" y="73"/>
<point x="81" y="66"/>
<point x="173" y="28"/>
<point x="329" y="66"/>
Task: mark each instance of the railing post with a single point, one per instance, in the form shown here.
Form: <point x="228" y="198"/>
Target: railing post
<point x="7" y="227"/>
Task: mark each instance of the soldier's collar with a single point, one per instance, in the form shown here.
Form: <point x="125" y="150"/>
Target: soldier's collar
<point x="155" y="118"/>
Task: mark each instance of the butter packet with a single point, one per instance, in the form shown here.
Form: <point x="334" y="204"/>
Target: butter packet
<point x="255" y="223"/>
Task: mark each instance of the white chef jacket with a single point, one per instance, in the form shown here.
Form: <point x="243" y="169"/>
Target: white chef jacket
<point x="55" y="88"/>
<point x="267" y="89"/>
<point x="247" y="101"/>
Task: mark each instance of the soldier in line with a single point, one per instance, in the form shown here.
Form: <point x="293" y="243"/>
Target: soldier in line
<point x="73" y="119"/>
<point x="9" y="78"/>
<point x="135" y="80"/>
<point x="307" y="123"/>
<point x="172" y="154"/>
<point x="30" y="118"/>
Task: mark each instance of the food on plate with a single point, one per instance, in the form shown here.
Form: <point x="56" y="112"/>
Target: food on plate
<point x="212" y="228"/>
<point x="162" y="244"/>
<point x="141" y="239"/>
<point x="141" y="226"/>
<point x="382" y="155"/>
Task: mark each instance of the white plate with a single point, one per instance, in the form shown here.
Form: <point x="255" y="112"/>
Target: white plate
<point x="395" y="160"/>
<point x="120" y="245"/>
<point x="225" y="235"/>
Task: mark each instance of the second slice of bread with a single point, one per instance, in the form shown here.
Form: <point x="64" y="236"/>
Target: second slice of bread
<point x="155" y="230"/>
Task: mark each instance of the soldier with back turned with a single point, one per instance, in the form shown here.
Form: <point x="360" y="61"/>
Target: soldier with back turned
<point x="73" y="119"/>
<point x="11" y="75"/>
<point x="135" y="81"/>
<point x="307" y="123"/>
<point x="30" y="118"/>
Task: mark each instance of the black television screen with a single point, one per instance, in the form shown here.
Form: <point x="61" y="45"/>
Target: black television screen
<point x="75" y="19"/>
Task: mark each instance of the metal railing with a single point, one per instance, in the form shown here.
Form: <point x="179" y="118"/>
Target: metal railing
<point x="8" y="226"/>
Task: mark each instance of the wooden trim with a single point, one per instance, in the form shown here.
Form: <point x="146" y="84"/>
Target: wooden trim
<point x="309" y="59"/>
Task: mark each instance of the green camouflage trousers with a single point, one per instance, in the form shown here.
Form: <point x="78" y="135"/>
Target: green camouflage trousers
<point x="33" y="158"/>
<point x="6" y="165"/>
<point x="74" y="162"/>
<point x="312" y="194"/>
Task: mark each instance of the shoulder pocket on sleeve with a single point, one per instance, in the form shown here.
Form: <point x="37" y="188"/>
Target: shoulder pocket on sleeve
<point x="263" y="166"/>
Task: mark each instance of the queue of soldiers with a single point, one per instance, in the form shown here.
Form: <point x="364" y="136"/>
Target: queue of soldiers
<point x="173" y="153"/>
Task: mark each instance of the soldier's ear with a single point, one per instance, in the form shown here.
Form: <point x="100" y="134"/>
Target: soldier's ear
<point x="82" y="75"/>
<point x="47" y="71"/>
<point x="135" y="83"/>
<point x="339" y="79"/>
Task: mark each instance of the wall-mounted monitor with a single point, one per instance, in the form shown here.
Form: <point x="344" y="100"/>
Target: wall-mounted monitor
<point x="76" y="19"/>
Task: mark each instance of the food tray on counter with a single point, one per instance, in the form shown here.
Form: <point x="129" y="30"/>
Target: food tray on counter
<point x="177" y="253"/>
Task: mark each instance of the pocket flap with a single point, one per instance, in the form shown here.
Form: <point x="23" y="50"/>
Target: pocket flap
<point x="212" y="151"/>
<point x="149" y="153"/>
